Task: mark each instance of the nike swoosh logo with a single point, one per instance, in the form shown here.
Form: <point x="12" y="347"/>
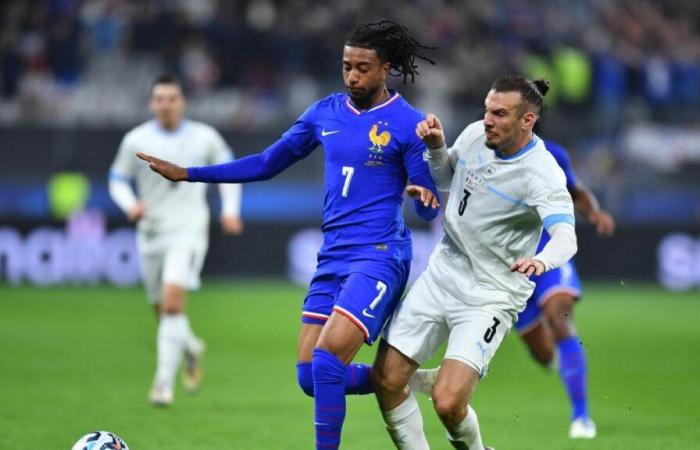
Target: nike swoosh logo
<point x="321" y="424"/>
<point x="366" y="314"/>
<point x="325" y="133"/>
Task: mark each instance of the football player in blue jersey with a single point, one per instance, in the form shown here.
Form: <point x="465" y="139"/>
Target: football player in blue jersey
<point x="546" y="324"/>
<point x="371" y="150"/>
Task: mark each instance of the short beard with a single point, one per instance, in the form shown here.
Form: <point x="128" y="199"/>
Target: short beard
<point x="364" y="102"/>
<point x="491" y="146"/>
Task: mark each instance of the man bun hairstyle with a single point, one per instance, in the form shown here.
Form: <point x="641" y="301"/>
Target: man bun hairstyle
<point x="532" y="91"/>
<point x="393" y="44"/>
<point x="541" y="85"/>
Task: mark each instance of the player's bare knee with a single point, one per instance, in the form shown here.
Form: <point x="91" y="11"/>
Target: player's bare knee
<point x="387" y="381"/>
<point x="543" y="356"/>
<point x="450" y="408"/>
<point x="171" y="308"/>
<point x="560" y="315"/>
<point x="173" y="302"/>
<point x="562" y="326"/>
<point x="541" y="359"/>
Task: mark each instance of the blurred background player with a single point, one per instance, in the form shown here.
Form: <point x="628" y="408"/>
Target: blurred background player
<point x="505" y="187"/>
<point x="173" y="224"/>
<point x="547" y="322"/>
<point x="371" y="150"/>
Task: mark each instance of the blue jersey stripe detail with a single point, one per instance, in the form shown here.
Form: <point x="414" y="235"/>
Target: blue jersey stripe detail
<point x="507" y="197"/>
<point x="558" y="218"/>
<point x="119" y="177"/>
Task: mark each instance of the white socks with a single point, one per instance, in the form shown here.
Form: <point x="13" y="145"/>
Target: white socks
<point x="467" y="435"/>
<point x="405" y="425"/>
<point x="173" y="335"/>
<point x="192" y="343"/>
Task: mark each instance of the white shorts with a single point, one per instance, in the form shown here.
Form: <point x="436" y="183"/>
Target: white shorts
<point x="179" y="263"/>
<point x="429" y="316"/>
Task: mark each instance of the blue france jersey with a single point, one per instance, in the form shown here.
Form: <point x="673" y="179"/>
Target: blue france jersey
<point x="369" y="157"/>
<point x="564" y="160"/>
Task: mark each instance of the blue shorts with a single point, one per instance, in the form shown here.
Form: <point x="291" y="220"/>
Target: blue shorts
<point x="561" y="280"/>
<point x="364" y="288"/>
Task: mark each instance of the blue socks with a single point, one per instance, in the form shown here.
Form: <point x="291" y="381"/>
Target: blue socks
<point x="572" y="371"/>
<point x="329" y="393"/>
<point x="331" y="380"/>
<point x="357" y="379"/>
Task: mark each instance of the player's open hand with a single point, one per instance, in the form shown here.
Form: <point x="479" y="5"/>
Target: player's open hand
<point x="431" y="132"/>
<point x="167" y="169"/>
<point x="604" y="223"/>
<point x="231" y="225"/>
<point x="528" y="266"/>
<point x="425" y="195"/>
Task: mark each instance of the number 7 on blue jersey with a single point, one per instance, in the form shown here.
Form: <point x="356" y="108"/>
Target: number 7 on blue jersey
<point x="347" y="172"/>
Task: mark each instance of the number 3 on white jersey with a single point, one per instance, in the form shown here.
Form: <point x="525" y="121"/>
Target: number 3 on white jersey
<point x="347" y="172"/>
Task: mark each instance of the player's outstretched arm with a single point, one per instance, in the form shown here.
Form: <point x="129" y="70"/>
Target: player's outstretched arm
<point x="166" y="169"/>
<point x="257" y="167"/>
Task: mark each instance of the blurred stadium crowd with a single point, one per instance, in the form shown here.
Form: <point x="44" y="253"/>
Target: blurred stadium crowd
<point x="598" y="53"/>
<point x="625" y="74"/>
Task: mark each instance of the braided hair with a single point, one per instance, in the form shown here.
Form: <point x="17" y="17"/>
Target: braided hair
<point x="393" y="44"/>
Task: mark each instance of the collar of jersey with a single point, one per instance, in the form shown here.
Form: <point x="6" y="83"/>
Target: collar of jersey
<point x="165" y="132"/>
<point x="520" y="152"/>
<point x="392" y="98"/>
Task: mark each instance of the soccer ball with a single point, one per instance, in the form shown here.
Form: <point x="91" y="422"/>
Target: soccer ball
<point x="100" y="440"/>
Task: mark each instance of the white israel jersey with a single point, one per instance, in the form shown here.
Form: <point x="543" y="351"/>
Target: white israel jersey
<point x="170" y="207"/>
<point x="497" y="207"/>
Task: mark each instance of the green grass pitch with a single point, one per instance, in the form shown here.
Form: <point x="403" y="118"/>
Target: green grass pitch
<point x="73" y="360"/>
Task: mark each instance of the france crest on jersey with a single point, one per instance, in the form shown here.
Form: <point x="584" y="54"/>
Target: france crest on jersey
<point x="369" y="156"/>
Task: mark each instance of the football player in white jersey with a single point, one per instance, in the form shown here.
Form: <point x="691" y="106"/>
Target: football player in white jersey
<point x="172" y="223"/>
<point x="504" y="188"/>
